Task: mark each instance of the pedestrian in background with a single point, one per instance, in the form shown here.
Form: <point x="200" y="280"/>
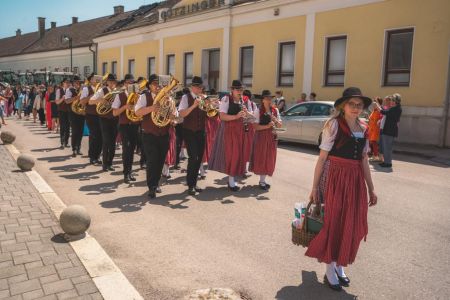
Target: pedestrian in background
<point x="302" y="98"/>
<point x="280" y="102"/>
<point x="312" y="97"/>
<point x="390" y="128"/>
<point x="374" y="129"/>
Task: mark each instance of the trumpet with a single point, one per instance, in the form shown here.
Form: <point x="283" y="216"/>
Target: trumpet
<point x="210" y="104"/>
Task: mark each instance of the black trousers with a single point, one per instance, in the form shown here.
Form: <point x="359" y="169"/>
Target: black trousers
<point x="195" y="144"/>
<point x="155" y="148"/>
<point x="179" y="142"/>
<point x="64" y="127"/>
<point x="129" y="134"/>
<point x="95" y="136"/>
<point x="109" y="134"/>
<point x="41" y="116"/>
<point x="77" y="126"/>
<point x="139" y="145"/>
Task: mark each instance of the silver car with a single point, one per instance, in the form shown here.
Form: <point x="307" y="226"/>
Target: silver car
<point x="304" y="121"/>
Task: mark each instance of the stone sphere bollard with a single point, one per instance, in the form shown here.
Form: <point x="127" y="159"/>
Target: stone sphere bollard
<point x="25" y="162"/>
<point x="7" y="137"/>
<point x="74" y="220"/>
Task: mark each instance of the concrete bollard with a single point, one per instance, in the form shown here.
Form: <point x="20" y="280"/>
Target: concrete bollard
<point x="74" y="220"/>
<point x="25" y="162"/>
<point x="7" y="137"/>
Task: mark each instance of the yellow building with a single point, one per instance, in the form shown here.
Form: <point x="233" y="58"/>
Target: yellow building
<point x="321" y="46"/>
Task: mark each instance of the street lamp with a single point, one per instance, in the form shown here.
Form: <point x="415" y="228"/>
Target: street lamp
<point x="67" y="38"/>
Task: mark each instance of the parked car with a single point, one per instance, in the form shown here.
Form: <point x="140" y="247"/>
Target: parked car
<point x="304" y="121"/>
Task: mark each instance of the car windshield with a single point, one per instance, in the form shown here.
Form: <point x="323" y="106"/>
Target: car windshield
<point x="299" y="110"/>
<point x="321" y="110"/>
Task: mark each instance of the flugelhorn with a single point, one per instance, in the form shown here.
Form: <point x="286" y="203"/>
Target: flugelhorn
<point x="210" y="104"/>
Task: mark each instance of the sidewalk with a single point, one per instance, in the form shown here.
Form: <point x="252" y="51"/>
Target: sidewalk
<point x="433" y="153"/>
<point x="34" y="262"/>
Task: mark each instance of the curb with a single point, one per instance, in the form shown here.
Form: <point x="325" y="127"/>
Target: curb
<point x="110" y="281"/>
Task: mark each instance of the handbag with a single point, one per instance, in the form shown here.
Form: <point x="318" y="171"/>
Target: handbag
<point x="311" y="226"/>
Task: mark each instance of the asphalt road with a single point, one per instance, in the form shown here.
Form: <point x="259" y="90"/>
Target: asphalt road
<point x="174" y="244"/>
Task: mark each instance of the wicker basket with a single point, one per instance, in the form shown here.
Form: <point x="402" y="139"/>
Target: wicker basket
<point x="302" y="236"/>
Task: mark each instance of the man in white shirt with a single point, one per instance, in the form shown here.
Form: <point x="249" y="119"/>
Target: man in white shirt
<point x="63" y="113"/>
<point x="155" y="140"/>
<point x="92" y="121"/>
<point x="76" y="120"/>
<point x="127" y="128"/>
<point x="108" y="124"/>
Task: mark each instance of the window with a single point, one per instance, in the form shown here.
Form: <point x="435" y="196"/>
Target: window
<point x="104" y="68"/>
<point x="131" y="66"/>
<point x="170" y="64"/>
<point x="286" y="64"/>
<point x="398" y="55"/>
<point x="86" y="71"/>
<point x="321" y="110"/>
<point x="76" y="70"/>
<point x="335" y="61"/>
<point x="300" y="110"/>
<point x="188" y="67"/>
<point x="66" y="69"/>
<point x="114" y="68"/>
<point x="246" y="70"/>
<point x="151" y="66"/>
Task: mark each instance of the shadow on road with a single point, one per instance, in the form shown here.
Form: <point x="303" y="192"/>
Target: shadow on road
<point x="69" y="168"/>
<point x="83" y="176"/>
<point x="126" y="204"/>
<point x="101" y="188"/>
<point x="311" y="288"/>
<point x="44" y="149"/>
<point x="52" y="159"/>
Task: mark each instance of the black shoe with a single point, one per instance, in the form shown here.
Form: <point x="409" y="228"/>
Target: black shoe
<point x="191" y="191"/>
<point x="131" y="177"/>
<point x="105" y="168"/>
<point x="385" y="165"/>
<point x="334" y="287"/>
<point x="74" y="154"/>
<point x="167" y="176"/>
<point x="142" y="166"/>
<point x="79" y="152"/>
<point x="233" y="188"/>
<point x="263" y="186"/>
<point x="176" y="167"/>
<point x="247" y="175"/>
<point x="61" y="147"/>
<point x="110" y="168"/>
<point x="158" y="190"/>
<point x="98" y="162"/>
<point x="197" y="189"/>
<point x="152" y="193"/>
<point x="67" y="146"/>
<point x="201" y="177"/>
<point x="126" y="179"/>
<point x="344" y="281"/>
<point x="92" y="161"/>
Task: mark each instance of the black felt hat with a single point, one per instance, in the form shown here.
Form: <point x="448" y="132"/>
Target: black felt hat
<point x="266" y="93"/>
<point x="197" y="81"/>
<point x="353" y="92"/>
<point x="111" y="77"/>
<point x="129" y="77"/>
<point x="236" y="84"/>
<point x="153" y="78"/>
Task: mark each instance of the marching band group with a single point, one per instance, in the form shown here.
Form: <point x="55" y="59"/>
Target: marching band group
<point x="233" y="134"/>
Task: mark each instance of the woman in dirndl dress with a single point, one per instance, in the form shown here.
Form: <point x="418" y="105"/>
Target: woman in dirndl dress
<point x="249" y="135"/>
<point x="171" y="153"/>
<point x="264" y="154"/>
<point x="341" y="181"/>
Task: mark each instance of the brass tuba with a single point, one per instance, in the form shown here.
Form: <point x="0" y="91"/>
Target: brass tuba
<point x="163" y="116"/>
<point x="76" y="106"/>
<point x="104" y="107"/>
<point x="133" y="97"/>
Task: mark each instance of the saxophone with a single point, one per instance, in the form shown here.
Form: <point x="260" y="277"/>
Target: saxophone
<point x="133" y="96"/>
<point x="77" y="107"/>
<point x="163" y="116"/>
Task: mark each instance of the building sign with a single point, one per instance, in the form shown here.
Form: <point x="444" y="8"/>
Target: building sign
<point x="191" y="9"/>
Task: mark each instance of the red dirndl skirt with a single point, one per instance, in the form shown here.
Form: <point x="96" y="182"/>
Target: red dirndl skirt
<point x="172" y="153"/>
<point x="248" y="142"/>
<point x="211" y="126"/>
<point x="264" y="154"/>
<point x="234" y="148"/>
<point x="345" y="219"/>
<point x="48" y="114"/>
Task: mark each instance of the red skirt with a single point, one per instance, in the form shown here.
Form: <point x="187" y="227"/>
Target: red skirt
<point x="248" y="142"/>
<point x="234" y="148"/>
<point x="264" y="154"/>
<point x="48" y="114"/>
<point x="345" y="220"/>
<point x="172" y="153"/>
<point x="211" y="126"/>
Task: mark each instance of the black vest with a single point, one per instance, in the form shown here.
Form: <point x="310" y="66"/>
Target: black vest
<point x="346" y="146"/>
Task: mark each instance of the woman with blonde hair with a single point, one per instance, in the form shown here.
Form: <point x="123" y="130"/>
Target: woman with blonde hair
<point x="341" y="181"/>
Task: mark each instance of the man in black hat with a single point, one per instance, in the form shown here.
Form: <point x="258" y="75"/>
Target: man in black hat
<point x="63" y="113"/>
<point x="127" y="128"/>
<point x="92" y="121"/>
<point x="155" y="140"/>
<point x="76" y="120"/>
<point x="193" y="131"/>
<point x="108" y="124"/>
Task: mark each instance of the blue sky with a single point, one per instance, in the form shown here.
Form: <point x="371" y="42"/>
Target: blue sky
<point x="23" y="14"/>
